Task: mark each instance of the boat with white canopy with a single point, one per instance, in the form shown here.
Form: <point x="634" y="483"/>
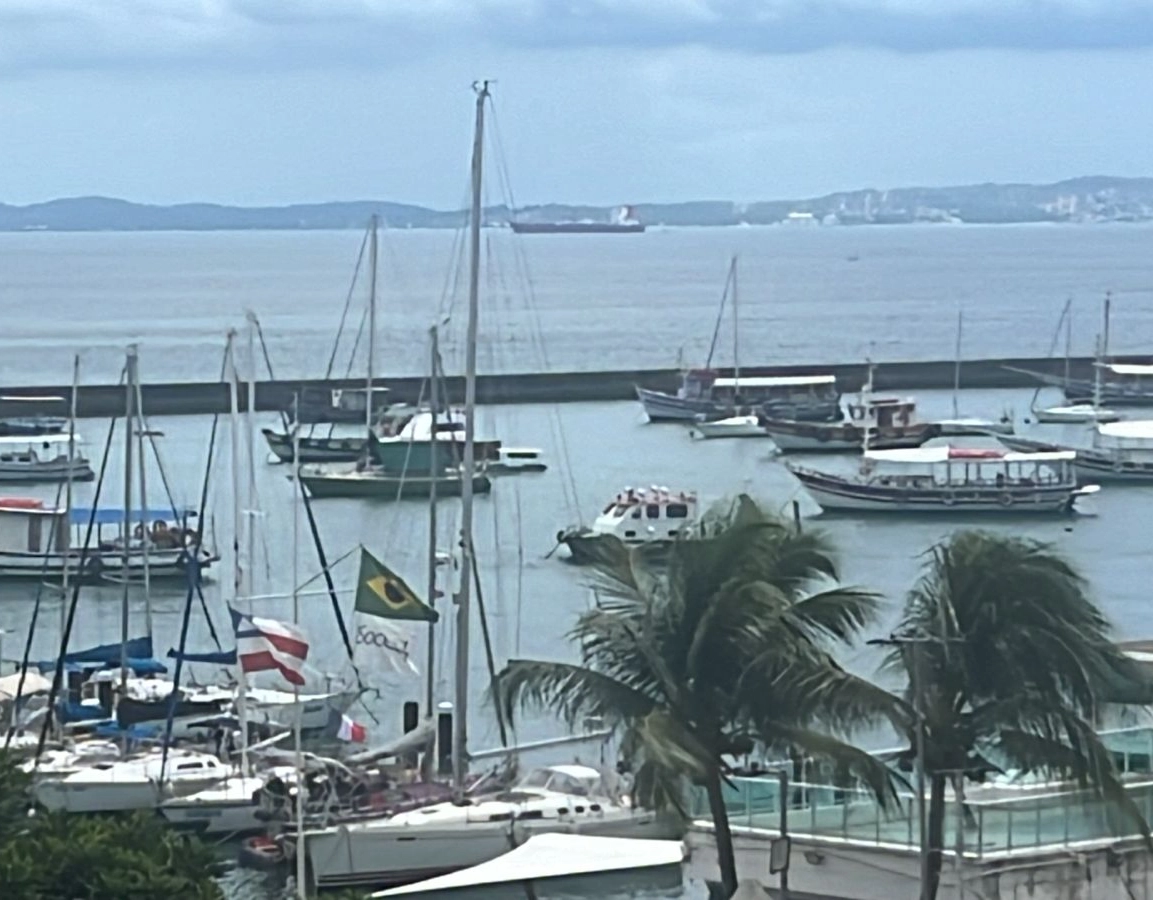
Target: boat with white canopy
<point x="635" y="516"/>
<point x="1119" y="452"/>
<point x="944" y="479"/>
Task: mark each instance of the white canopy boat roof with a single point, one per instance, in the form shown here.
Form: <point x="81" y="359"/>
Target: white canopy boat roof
<point x="943" y="454"/>
<point x="555" y="855"/>
<point x="1129" y="430"/>
<point x="1138" y="369"/>
<point x="771" y="381"/>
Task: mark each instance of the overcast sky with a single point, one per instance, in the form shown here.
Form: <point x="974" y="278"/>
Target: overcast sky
<point x="604" y="101"/>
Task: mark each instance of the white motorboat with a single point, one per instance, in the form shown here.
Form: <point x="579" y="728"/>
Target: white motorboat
<point x="945" y="479"/>
<point x="227" y="807"/>
<point x="1076" y="414"/>
<point x="635" y="517"/>
<point x="131" y="784"/>
<point x="732" y="427"/>
<point x="60" y="762"/>
<point x="510" y="460"/>
<point x="445" y="837"/>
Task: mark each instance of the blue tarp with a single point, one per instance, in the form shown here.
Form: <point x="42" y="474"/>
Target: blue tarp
<point x="139" y="653"/>
<point x="111" y="515"/>
<point x="220" y="658"/>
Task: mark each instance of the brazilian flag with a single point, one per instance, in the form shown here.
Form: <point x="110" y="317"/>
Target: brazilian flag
<point x="382" y="593"/>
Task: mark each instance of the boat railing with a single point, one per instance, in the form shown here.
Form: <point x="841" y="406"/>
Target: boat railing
<point x="999" y="817"/>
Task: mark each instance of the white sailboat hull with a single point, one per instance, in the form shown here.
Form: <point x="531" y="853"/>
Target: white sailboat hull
<point x="228" y="808"/>
<point x="1077" y="414"/>
<point x="380" y="854"/>
<point x="734" y="427"/>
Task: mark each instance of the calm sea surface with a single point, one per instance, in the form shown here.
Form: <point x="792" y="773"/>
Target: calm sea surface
<point x="588" y="303"/>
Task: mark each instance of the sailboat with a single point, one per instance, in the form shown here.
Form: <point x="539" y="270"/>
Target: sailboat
<point x="703" y="396"/>
<point x="1076" y="413"/>
<point x="963" y="426"/>
<point x="448" y="836"/>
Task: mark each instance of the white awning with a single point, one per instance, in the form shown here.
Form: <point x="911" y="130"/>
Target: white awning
<point x="554" y="856"/>
<point x="1128" y="368"/>
<point x="771" y="381"/>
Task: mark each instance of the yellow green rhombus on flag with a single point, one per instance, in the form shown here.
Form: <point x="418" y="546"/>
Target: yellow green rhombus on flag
<point x="381" y="592"/>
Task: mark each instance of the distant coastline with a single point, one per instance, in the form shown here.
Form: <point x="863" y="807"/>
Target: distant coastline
<point x="1079" y="200"/>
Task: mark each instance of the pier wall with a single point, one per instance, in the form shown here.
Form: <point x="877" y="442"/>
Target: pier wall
<point x="206" y="398"/>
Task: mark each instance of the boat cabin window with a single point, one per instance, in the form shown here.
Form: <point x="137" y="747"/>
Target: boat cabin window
<point x="520" y="454"/>
<point x="653" y="511"/>
<point x="182" y="767"/>
<point x="637" y="513"/>
<point x="537" y="778"/>
<point x="630" y="534"/>
<point x="677" y="511"/>
<point x="566" y="784"/>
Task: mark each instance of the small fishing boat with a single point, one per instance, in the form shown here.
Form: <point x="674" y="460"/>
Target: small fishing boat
<point x="974" y="427"/>
<point x="43" y="458"/>
<point x="313" y="449"/>
<point x="635" y="517"/>
<point x="733" y="427"/>
<point x="809" y="398"/>
<point x="339" y="405"/>
<point x="888" y="422"/>
<point x="1075" y="414"/>
<point x="41" y="541"/>
<point x="946" y="479"/>
<point x="25" y="426"/>
<point x="374" y="482"/>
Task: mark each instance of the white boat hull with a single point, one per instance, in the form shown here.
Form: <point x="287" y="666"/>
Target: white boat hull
<point x="52" y="470"/>
<point x="736" y="427"/>
<point x="110" y="564"/>
<point x="379" y="854"/>
<point x="1078" y="414"/>
<point x="229" y="808"/>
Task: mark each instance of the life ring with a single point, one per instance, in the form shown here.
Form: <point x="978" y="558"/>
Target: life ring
<point x="1005" y="499"/>
<point x="261" y="852"/>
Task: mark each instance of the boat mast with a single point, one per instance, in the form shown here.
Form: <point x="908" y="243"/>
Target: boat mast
<point x="1068" y="314"/>
<point x="736" y="333"/>
<point x="957" y="361"/>
<point x="145" y="533"/>
<point x="434" y="475"/>
<point x="238" y="526"/>
<point x="67" y="530"/>
<point x="460" y="719"/>
<point x="372" y="260"/>
<point x="250" y="450"/>
<point x="126" y="549"/>
<point x="298" y="755"/>
<point x="1105" y="333"/>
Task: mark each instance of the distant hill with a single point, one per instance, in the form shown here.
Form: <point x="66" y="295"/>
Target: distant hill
<point x="1090" y="199"/>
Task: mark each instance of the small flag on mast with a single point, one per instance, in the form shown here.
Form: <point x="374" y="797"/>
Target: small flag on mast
<point x="266" y="645"/>
<point x="382" y="593"/>
<point x="351" y="731"/>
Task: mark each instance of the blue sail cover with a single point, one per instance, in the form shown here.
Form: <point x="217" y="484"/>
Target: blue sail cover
<point x="138" y="651"/>
<point x="220" y="658"/>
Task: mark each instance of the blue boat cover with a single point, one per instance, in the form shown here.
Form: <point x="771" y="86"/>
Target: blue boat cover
<point x="139" y="654"/>
<point x="112" y="515"/>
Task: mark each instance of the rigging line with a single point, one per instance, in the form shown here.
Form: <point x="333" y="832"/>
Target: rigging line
<point x="408" y="451"/>
<point x="267" y="363"/>
<point x="70" y="619"/>
<point x="192" y="576"/>
<point x="450" y="289"/>
<point x="490" y="660"/>
<point x="720" y="318"/>
<point x="1066" y="310"/>
<point x="331" y="565"/>
<point x="519" y="564"/>
<point x="331" y="585"/>
<point x="347" y="304"/>
<point x="52" y="542"/>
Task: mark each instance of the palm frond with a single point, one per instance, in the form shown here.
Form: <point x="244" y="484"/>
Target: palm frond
<point x="878" y="778"/>
<point x="572" y="691"/>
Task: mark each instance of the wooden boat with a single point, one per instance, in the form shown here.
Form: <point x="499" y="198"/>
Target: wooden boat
<point x="374" y="482"/>
<point x="315" y="449"/>
<point x="40" y="541"/>
<point x="951" y="480"/>
<point x="886" y="422"/>
<point x="1119" y="452"/>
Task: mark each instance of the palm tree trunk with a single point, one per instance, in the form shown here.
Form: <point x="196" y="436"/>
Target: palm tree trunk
<point x="726" y="858"/>
<point x="936" y="835"/>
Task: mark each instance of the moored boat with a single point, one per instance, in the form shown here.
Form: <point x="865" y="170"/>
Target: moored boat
<point x="733" y="427"/>
<point x="1119" y="452"/>
<point x="886" y="422"/>
<point x="810" y="398"/>
<point x="634" y="517"/>
<point x="944" y="479"/>
<point x="373" y="482"/>
<point x="1075" y="414"/>
<point x="43" y="458"/>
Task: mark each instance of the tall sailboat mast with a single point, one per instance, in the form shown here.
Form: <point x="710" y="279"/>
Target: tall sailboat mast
<point x="736" y="332"/>
<point x="434" y="473"/>
<point x="373" y="250"/>
<point x="464" y="605"/>
<point x="957" y="361"/>
<point x="126" y="548"/>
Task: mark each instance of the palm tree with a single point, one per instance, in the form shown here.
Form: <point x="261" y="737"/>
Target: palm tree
<point x="1010" y="660"/>
<point x="708" y="654"/>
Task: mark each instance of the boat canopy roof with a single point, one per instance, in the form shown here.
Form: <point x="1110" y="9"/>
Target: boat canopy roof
<point x="1134" y="429"/>
<point x="1128" y="368"/>
<point x="941" y="454"/>
<point x="25" y="440"/>
<point x="555" y="856"/>
<point x="114" y="515"/>
<point x="769" y="381"/>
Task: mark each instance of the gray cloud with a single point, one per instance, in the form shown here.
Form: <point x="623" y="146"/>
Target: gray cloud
<point x="38" y="34"/>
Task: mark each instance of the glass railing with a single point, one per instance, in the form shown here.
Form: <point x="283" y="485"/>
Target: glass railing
<point x="1007" y="813"/>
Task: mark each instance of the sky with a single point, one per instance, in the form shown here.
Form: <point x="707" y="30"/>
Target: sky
<point x="267" y="102"/>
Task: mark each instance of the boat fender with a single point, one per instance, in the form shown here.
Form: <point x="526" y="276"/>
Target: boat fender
<point x="560" y="536"/>
<point x="1118" y="466"/>
<point x="1006" y="500"/>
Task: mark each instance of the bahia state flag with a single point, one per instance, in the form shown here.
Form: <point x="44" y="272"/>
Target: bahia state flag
<point x="382" y="593"/>
<point x="266" y="645"/>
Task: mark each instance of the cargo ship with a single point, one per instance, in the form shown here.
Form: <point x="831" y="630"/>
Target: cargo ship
<point x="623" y="222"/>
